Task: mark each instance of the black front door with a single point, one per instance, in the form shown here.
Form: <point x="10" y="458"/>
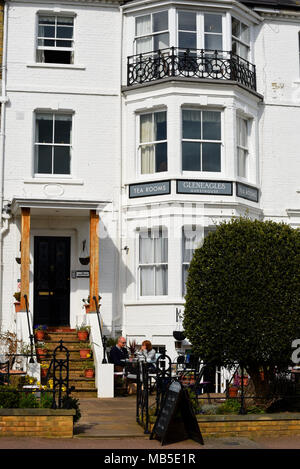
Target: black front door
<point x="52" y="280"/>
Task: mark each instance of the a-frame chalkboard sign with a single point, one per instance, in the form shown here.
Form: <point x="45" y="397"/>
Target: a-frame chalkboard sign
<point x="176" y="420"/>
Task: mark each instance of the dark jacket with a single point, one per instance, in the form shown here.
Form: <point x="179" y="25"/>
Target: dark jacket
<point x="116" y="355"/>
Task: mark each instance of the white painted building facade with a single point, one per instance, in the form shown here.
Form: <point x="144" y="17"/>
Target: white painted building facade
<point x="162" y="154"/>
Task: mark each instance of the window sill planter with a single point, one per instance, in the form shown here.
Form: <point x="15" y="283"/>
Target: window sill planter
<point x="179" y="335"/>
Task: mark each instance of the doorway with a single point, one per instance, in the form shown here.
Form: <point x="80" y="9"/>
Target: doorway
<point x="52" y="280"/>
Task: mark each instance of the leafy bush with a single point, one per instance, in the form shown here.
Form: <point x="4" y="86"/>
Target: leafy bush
<point x="46" y="400"/>
<point x="9" y="397"/>
<point x="231" y="406"/>
<point x="209" y="409"/>
<point x="28" y="400"/>
<point x="72" y="403"/>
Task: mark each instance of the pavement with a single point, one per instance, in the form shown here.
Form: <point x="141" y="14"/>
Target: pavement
<point x="110" y="424"/>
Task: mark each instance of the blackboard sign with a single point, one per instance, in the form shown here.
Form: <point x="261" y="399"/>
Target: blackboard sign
<point x="176" y="420"/>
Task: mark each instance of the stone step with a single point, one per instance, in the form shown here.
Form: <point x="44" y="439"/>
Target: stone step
<point x="79" y="383"/>
<point x="84" y="392"/>
<point x="55" y="336"/>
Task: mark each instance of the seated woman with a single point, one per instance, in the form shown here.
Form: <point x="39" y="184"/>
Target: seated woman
<point x="147" y="353"/>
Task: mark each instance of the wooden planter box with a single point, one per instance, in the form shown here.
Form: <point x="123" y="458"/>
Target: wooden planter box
<point x="47" y="423"/>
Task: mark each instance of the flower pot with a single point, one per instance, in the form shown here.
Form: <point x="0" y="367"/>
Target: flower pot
<point x="82" y="335"/>
<point x="85" y="353"/>
<point x="17" y="306"/>
<point x="84" y="260"/>
<point x="179" y="335"/>
<point x="44" y="372"/>
<point x="41" y="353"/>
<point x="39" y="335"/>
<point x="233" y="392"/>
<point x="89" y="373"/>
<point x="87" y="308"/>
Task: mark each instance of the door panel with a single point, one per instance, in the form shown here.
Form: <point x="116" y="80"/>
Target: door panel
<point x="52" y="280"/>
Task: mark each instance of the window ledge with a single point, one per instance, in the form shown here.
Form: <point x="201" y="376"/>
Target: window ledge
<point x="41" y="180"/>
<point x="58" y="66"/>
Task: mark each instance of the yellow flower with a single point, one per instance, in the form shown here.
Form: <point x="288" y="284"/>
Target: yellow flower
<point x="88" y="355"/>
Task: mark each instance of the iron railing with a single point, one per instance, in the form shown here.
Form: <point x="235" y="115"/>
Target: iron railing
<point x="30" y="332"/>
<point x="103" y="337"/>
<point x="190" y="63"/>
<point x="154" y="381"/>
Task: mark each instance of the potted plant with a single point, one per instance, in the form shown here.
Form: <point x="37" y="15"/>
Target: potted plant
<point x="39" y="332"/>
<point x="89" y="370"/>
<point x="85" y="350"/>
<point x="17" y="303"/>
<point x="86" y="304"/>
<point x="83" y="332"/>
<point x="233" y="390"/>
<point x="179" y="335"/>
<point x="44" y="369"/>
<point x="132" y="348"/>
<point x="41" y="349"/>
<point x="84" y="259"/>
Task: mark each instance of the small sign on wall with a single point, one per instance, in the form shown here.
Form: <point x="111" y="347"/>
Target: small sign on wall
<point x="149" y="189"/>
<point x="82" y="273"/>
<point x="247" y="192"/>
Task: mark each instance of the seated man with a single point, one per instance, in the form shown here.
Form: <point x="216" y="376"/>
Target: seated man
<point x="119" y="352"/>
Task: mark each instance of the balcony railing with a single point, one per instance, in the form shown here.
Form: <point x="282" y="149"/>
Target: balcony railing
<point x="190" y="63"/>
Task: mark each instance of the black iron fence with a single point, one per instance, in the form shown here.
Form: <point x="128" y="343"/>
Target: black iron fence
<point x="55" y="383"/>
<point x="190" y="63"/>
<point x="153" y="381"/>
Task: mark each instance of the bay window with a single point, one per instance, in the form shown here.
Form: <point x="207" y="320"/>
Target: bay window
<point x="53" y="143"/>
<point x="153" y="142"/>
<point x="198" y="30"/>
<point x="201" y="140"/>
<point x="153" y="262"/>
<point x="152" y="32"/>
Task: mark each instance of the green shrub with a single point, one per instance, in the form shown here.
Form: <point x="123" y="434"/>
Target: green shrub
<point x="231" y="406"/>
<point x="9" y="397"/>
<point x="209" y="409"/>
<point x="46" y="400"/>
<point x="28" y="400"/>
<point x="72" y="403"/>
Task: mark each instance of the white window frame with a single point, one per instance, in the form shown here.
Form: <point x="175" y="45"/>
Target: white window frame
<point x="239" y="40"/>
<point x="154" y="264"/>
<point x="152" y="33"/>
<point x="55" y="48"/>
<point x="52" y="144"/>
<point x="201" y="141"/>
<point x="140" y="145"/>
<point x="244" y="149"/>
<point x="200" y="33"/>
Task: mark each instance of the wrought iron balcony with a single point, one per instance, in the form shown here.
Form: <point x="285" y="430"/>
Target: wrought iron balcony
<point x="190" y="63"/>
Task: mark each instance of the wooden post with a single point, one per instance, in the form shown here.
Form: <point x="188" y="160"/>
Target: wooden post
<point x="25" y="255"/>
<point x="94" y="259"/>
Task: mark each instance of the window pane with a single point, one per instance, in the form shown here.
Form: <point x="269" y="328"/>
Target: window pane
<point x="44" y="159"/>
<point x="160" y="126"/>
<point x="213" y="42"/>
<point x="147" y="281"/>
<point x="146" y="128"/>
<point x="61" y="160"/>
<point x="187" y="40"/>
<point x="243" y="51"/>
<point x="160" y="249"/>
<point x="147" y="159"/>
<point x="47" y="20"/>
<point x="242" y="135"/>
<point x="143" y="25"/>
<point x="242" y="155"/>
<point x="160" y="21"/>
<point x="212" y="23"/>
<point x="44" y="127"/>
<point x="143" y="45"/>
<point x="211" y="157"/>
<point x="46" y="31"/>
<point x="235" y="28"/>
<point x="61" y="43"/>
<point x="190" y="156"/>
<point x="211" y="125"/>
<point x="161" y="41"/>
<point x="161" y="158"/>
<point x="187" y="21"/>
<point x="145" y="248"/>
<point x="191" y="124"/>
<point x="161" y="280"/>
<point x="62" y="129"/>
<point x="185" y="269"/>
<point x="61" y="21"/>
<point x="245" y="33"/>
<point x="64" y="32"/>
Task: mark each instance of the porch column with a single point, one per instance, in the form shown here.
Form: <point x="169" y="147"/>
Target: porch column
<point x="94" y="259"/>
<point x="25" y="255"/>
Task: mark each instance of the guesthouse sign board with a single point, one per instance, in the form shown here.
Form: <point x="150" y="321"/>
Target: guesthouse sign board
<point x="203" y="187"/>
<point x="149" y="189"/>
<point x="246" y="192"/>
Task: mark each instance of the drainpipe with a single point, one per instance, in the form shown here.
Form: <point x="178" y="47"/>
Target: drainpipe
<point x="5" y="217"/>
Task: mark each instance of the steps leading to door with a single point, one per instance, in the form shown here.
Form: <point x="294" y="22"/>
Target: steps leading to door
<point x="84" y="387"/>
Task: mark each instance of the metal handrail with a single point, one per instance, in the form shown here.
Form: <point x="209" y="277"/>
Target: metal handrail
<point x="103" y="337"/>
<point x="31" y="337"/>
